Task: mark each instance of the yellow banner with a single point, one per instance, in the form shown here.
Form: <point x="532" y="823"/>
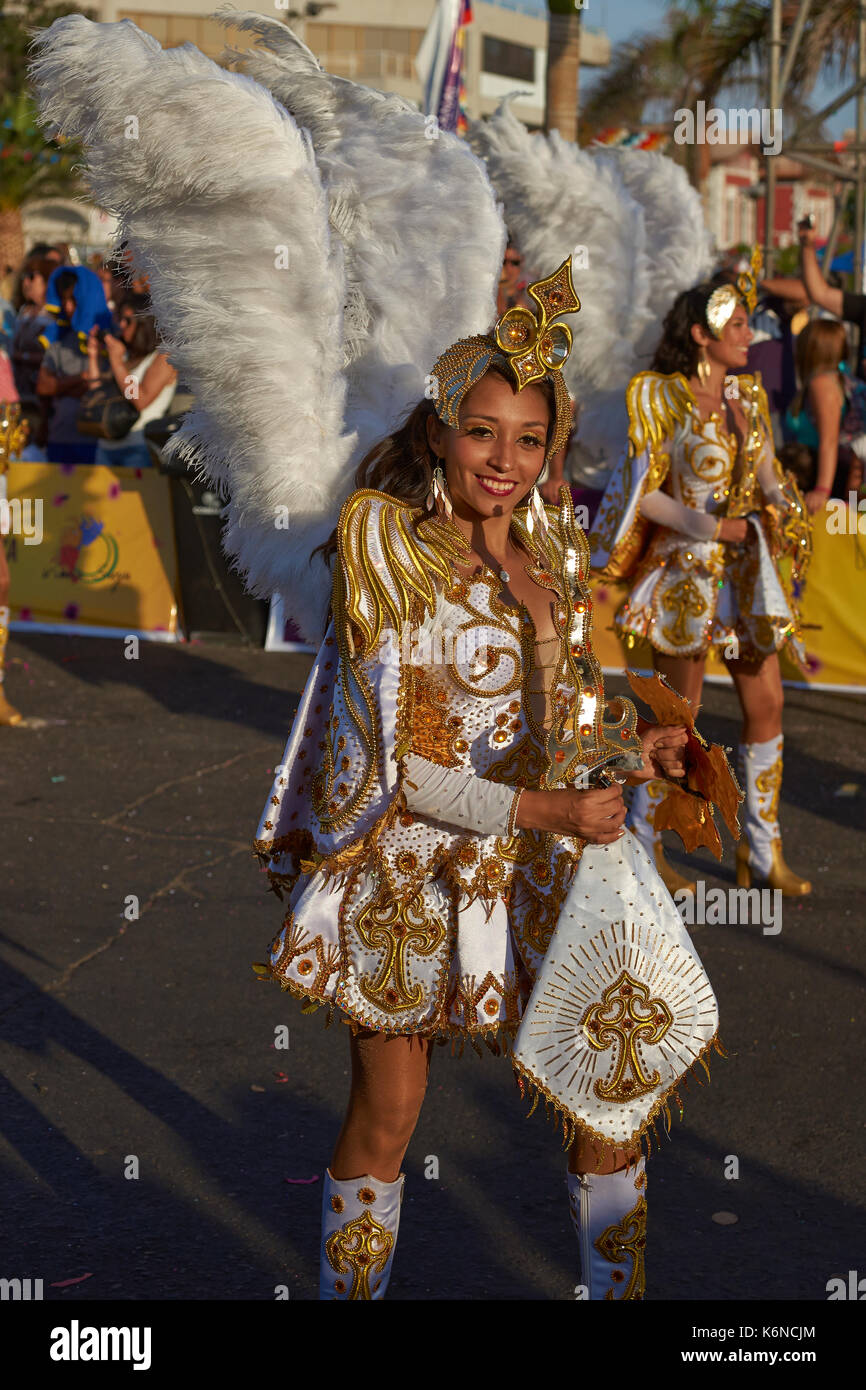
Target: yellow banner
<point x="91" y="546"/>
<point x="833" y="610"/>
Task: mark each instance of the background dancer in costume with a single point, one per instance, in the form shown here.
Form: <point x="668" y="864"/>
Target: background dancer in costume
<point x="697" y="516"/>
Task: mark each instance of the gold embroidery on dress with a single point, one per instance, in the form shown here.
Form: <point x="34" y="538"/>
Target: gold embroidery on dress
<point x="684" y="599"/>
<point x="626" y="1241"/>
<point x="398" y="928"/>
<point x="627" y="1026"/>
<point x="434" y="730"/>
<point x="360" y="1247"/>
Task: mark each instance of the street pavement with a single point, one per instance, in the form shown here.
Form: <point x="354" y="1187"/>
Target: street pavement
<point x="156" y="1145"/>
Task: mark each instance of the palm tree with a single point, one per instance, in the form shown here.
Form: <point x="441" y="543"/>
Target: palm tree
<point x="704" y="48"/>
<point x="563" y="68"/>
<point x="30" y="166"/>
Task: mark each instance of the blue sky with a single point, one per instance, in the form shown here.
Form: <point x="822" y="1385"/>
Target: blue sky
<point x="621" y="19"/>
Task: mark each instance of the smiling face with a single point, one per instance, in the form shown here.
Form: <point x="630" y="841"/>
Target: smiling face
<point x="731" y="349"/>
<point x="496" y="455"/>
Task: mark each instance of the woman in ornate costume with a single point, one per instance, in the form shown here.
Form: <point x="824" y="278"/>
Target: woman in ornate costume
<point x="697" y="517"/>
<point x="450" y="792"/>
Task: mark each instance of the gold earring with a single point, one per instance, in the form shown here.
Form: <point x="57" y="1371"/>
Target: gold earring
<point x="704" y="368"/>
<point x="438" y="497"/>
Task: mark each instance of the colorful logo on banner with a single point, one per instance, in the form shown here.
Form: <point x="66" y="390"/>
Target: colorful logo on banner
<point x="88" y="553"/>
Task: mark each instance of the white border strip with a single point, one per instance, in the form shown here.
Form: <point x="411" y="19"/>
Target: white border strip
<point x="70" y="630"/>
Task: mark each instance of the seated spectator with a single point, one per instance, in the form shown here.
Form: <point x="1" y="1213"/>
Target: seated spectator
<point x="140" y="371"/>
<point x="76" y="302"/>
<point x="828" y="414"/>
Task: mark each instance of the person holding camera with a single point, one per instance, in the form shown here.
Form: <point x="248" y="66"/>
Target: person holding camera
<point x="141" y="373"/>
<point x="844" y="304"/>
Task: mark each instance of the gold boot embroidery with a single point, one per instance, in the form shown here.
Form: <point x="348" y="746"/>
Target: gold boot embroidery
<point x="623" y="1241"/>
<point x="361" y="1247"/>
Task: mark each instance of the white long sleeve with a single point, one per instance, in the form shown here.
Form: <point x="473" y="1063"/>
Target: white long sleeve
<point x="458" y="798"/>
<point x="769" y="482"/>
<point x="667" y="511"/>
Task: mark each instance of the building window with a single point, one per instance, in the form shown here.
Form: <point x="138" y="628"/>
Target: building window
<point x="508" y="59"/>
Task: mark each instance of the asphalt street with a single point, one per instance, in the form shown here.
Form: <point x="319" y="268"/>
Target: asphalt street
<point x="156" y="1145"/>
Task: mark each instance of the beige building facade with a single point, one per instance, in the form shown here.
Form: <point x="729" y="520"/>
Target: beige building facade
<point x="375" y="42"/>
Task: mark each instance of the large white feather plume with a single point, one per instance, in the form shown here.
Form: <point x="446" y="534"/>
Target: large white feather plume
<point x="220" y="199"/>
<point x="636" y="229"/>
<point x="558" y="200"/>
<point x="414" y="210"/>
<point x="679" y="243"/>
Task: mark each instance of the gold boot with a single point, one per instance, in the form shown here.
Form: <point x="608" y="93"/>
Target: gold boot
<point x="645" y="800"/>
<point x="672" y="880"/>
<point x="8" y="713"/>
<point x="779" y="876"/>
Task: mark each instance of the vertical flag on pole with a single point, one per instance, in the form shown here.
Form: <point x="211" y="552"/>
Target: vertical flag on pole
<point x="439" y="64"/>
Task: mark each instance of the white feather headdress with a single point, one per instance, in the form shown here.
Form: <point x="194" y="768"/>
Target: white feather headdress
<point x="306" y="269"/>
<point x="636" y="231"/>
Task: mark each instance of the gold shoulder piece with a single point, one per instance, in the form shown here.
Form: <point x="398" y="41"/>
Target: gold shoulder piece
<point x="655" y="404"/>
<point x="391" y="558"/>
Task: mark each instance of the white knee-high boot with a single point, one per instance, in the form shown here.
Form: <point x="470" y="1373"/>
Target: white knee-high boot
<point x="759" y="853"/>
<point x="360" y="1218"/>
<point x="645" y="799"/>
<point x="609" y="1215"/>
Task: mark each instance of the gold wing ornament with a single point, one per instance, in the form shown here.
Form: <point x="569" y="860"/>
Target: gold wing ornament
<point x="656" y="405"/>
<point x="390" y="555"/>
<point x="336" y="787"/>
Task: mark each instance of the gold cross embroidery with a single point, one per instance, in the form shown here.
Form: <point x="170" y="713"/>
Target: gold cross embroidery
<point x="397" y="927"/>
<point x="684" y="598"/>
<point x="361" y="1246"/>
<point x="628" y="1024"/>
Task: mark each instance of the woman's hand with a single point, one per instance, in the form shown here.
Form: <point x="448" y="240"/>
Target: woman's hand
<point x="815" y="500"/>
<point x="734" y="531"/>
<point x="116" y="349"/>
<point x="662" y="749"/>
<point x="596" y="816"/>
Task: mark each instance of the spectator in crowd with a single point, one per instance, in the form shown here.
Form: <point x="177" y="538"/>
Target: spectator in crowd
<point x="828" y="414"/>
<point x="512" y="281"/>
<point x="771" y="351"/>
<point x="28" y="351"/>
<point x="141" y="371"/>
<point x="76" y="302"/>
<point x="7" y="317"/>
<point x="842" y="303"/>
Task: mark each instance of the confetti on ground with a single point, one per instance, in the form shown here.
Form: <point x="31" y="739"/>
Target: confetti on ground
<point x="280" y="1076"/>
<point x="257" y="1088"/>
<point x="725" y="1218"/>
<point x="847" y="789"/>
<point x="64" y="1283"/>
<point x="302" y="1181"/>
<point x="58" y="779"/>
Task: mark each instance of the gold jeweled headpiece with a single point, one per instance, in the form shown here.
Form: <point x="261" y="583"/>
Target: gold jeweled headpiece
<point x="532" y="345"/>
<point x="724" y="300"/>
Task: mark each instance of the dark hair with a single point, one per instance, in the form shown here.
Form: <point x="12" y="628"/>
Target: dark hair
<point x="402" y="464"/>
<point x="66" y="281"/>
<point x="39" y="266"/>
<point x="677" y="350"/>
<point x="802" y="461"/>
<point x="146" y="337"/>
